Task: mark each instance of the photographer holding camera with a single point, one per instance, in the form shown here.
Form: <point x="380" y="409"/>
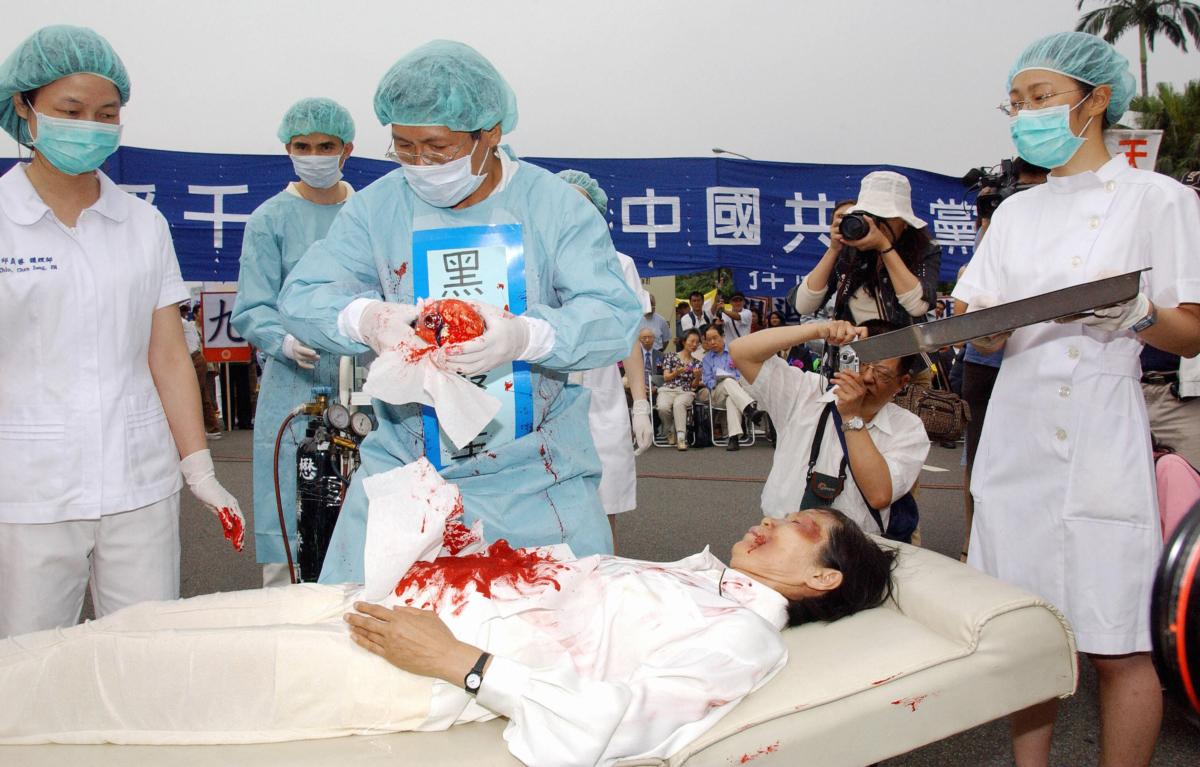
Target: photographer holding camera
<point x="881" y="263"/>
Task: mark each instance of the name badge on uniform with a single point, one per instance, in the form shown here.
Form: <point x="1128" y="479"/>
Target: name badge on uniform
<point x="478" y="263"/>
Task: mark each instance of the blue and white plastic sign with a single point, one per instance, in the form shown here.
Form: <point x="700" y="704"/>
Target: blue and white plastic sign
<point x="480" y="263"/>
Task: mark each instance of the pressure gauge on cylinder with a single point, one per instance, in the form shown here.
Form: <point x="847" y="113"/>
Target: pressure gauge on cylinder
<point x="360" y="424"/>
<point x="338" y="416"/>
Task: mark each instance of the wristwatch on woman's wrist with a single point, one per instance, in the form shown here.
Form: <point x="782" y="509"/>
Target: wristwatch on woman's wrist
<point x="474" y="678"/>
<point x="1147" y="321"/>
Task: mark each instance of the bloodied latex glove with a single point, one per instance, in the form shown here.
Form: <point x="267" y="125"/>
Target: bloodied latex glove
<point x="304" y="356"/>
<point x="386" y="326"/>
<point x="201" y="478"/>
<point x="643" y="426"/>
<point x="505" y="339"/>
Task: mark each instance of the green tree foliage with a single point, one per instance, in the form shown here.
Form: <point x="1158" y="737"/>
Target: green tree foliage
<point x="1173" y="19"/>
<point x="1177" y="115"/>
<point x="702" y="281"/>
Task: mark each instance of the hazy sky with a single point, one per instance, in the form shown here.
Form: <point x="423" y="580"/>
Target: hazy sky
<point x="848" y="81"/>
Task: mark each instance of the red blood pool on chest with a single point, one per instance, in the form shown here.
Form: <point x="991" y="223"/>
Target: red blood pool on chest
<point x="444" y="581"/>
<point x="449" y="321"/>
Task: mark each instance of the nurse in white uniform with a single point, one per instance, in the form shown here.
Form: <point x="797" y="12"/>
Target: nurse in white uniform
<point x="98" y="396"/>
<point x="1063" y="483"/>
<point x="608" y="418"/>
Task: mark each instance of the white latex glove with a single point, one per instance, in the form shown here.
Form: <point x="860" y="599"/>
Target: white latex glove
<point x="505" y="338"/>
<point x="304" y="356"/>
<point x="386" y="326"/>
<point x="1115" y="318"/>
<point x="643" y="426"/>
<point x="987" y="344"/>
<point x="201" y="478"/>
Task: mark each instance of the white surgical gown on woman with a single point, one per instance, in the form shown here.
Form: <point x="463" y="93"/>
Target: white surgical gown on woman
<point x="608" y="418"/>
<point x="1064" y="490"/>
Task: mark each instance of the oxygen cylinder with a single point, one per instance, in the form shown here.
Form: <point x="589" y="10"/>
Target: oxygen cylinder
<point x="319" y="496"/>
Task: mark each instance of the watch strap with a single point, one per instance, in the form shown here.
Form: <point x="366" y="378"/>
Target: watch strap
<point x="1147" y="321"/>
<point x="476" y="674"/>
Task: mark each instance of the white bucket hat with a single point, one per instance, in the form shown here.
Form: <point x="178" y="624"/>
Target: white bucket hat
<point x="887" y="194"/>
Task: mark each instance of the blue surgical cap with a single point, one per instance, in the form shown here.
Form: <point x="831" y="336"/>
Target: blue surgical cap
<point x="316" y="115"/>
<point x="587" y="184"/>
<point x="446" y="83"/>
<point x="1086" y="58"/>
<point x="50" y="54"/>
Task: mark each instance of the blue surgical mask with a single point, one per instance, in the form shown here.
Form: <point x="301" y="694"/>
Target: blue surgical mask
<point x="320" y="171"/>
<point x="75" y="146"/>
<point x="445" y="185"/>
<point x="1044" y="137"/>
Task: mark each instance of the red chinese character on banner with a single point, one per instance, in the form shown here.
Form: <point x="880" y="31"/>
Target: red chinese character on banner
<point x="1132" y="151"/>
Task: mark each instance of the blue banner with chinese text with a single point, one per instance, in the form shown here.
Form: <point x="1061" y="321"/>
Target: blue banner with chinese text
<point x="766" y="221"/>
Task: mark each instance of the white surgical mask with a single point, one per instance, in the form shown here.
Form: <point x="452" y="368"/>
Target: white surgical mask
<point x="445" y="185"/>
<point x="320" y="171"/>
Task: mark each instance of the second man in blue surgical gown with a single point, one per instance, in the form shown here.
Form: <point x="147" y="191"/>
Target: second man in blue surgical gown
<point x="318" y="134"/>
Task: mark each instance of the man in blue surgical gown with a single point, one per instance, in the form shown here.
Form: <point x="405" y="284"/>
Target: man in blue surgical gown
<point x="318" y="134"/>
<point x="447" y="109"/>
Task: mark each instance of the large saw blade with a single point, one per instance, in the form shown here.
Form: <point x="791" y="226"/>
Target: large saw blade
<point x="931" y="336"/>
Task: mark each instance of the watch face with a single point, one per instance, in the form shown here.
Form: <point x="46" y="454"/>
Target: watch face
<point x="473" y="681"/>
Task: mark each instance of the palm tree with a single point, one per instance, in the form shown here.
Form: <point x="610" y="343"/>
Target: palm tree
<point x="1177" y="115"/>
<point x="1150" y="17"/>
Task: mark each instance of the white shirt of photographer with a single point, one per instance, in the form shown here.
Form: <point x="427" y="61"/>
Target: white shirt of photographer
<point x="790" y="396"/>
<point x="1065" y="499"/>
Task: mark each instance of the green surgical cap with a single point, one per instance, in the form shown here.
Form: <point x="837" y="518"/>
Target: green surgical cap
<point x="446" y="83"/>
<point x="50" y="54"/>
<point x="1086" y="58"/>
<point x="316" y="115"/>
<point x="588" y="184"/>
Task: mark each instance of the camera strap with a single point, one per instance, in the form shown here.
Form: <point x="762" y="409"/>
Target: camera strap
<point x="815" y="450"/>
<point x="837" y="422"/>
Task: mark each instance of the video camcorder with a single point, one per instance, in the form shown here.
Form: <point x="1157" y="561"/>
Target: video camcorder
<point x="1002" y="184"/>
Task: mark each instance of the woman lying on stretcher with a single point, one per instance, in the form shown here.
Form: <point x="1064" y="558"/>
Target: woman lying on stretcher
<point x="591" y="660"/>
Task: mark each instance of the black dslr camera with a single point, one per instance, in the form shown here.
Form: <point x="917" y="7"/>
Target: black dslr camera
<point x="854" y="226"/>
<point x="1002" y="182"/>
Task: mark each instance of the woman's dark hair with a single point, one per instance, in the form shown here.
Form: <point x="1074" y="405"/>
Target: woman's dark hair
<point x="844" y="203"/>
<point x="911" y="245"/>
<point x="778" y="314"/>
<point x="693" y="332"/>
<point x="866" y="569"/>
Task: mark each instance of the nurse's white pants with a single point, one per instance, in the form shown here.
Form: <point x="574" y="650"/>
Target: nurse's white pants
<point x="254" y="666"/>
<point x="730" y="395"/>
<point x="130" y="557"/>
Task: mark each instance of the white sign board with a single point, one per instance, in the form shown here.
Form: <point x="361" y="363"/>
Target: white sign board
<point x="221" y="342"/>
<point x="1140" y="147"/>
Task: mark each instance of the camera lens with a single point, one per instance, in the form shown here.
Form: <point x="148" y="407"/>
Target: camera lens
<point x="854" y="226"/>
